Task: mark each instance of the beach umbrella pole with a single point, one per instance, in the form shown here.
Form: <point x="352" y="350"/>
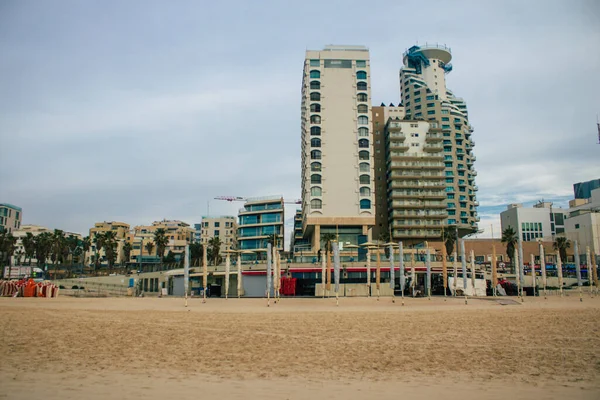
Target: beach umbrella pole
<point x="464" y="268"/>
<point x="578" y="270"/>
<point x="401" y="271"/>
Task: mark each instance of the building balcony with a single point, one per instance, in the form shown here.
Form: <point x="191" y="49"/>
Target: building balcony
<point x="473" y="173"/>
<point x="402" y="184"/>
<point x="475" y="188"/>
<point x="433" y="137"/>
<point x="476" y="203"/>
<point x="394" y="126"/>
<point x="417" y="204"/>
<point x="399" y="136"/>
<point x="399" y="146"/>
<point x="414" y="156"/>
<point x="422" y="214"/>
<point x="416" y="165"/>
<point x="433" y="148"/>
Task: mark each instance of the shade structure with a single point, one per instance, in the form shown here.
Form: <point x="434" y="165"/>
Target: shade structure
<point x="559" y="271"/>
<point x="186" y="270"/>
<point x="473" y="272"/>
<point x="227" y="270"/>
<point x="336" y="268"/>
<point x="269" y="271"/>
<point x="392" y="272"/>
<point x="274" y="269"/>
<point x="454" y="272"/>
<point x="590" y="267"/>
<point x="444" y="268"/>
<point x="521" y="262"/>
<point x="428" y="269"/>
<point x="378" y="272"/>
<point x="369" y="271"/>
<point x="532" y="263"/>
<point x="239" y="274"/>
<point x="353" y="246"/>
<point x="494" y="270"/>
<point x="464" y="265"/>
<point x="323" y="274"/>
<point x="204" y="270"/>
<point x="517" y="279"/>
<point x="543" y="267"/>
<point x="577" y="264"/>
<point x="401" y="261"/>
<point x="412" y="278"/>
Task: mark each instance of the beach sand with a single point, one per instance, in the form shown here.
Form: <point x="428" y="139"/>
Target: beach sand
<point x="73" y="348"/>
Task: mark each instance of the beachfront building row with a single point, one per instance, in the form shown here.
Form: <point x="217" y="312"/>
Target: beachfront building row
<point x="402" y="172"/>
<point x="260" y="221"/>
<point x="10" y="217"/>
<point x="540" y="222"/>
<point x="223" y="227"/>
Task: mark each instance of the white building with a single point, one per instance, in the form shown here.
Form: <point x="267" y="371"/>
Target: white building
<point x="541" y="221"/>
<point x="337" y="145"/>
<point x="583" y="224"/>
<point x="224" y="227"/>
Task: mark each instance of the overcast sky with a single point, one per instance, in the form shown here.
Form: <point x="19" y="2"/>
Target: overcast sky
<point x="142" y="110"/>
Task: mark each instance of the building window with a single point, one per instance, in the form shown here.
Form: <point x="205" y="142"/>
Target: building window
<point x="315" y="142"/>
<point x="361" y="63"/>
<point x="362" y="97"/>
<point x="315" y="96"/>
<point x="315" y="74"/>
<point x="365" y="191"/>
<point x="363" y="108"/>
<point x="316" y="166"/>
<point x="430" y="112"/>
<point x="362" y="155"/>
<point x="316" y="107"/>
<point x="364" y="167"/>
<point x="365" y="204"/>
<point x="216" y="232"/>
<point x="315" y="85"/>
<point x="362" y="120"/>
<point x="315" y="179"/>
<point x="365" y="180"/>
<point x="418" y="107"/>
<point x="217" y="225"/>
<point x="315" y="155"/>
<point x="361" y="75"/>
<point x="315" y="131"/>
<point x="361" y="86"/>
<point x="363" y="132"/>
<point x="316" y="191"/>
<point x="363" y="143"/>
<point x="315" y="63"/>
<point x="316" y="204"/>
<point x="315" y="119"/>
<point x="576" y="226"/>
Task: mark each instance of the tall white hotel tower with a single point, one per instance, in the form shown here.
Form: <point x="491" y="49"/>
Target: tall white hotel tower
<point x="337" y="146"/>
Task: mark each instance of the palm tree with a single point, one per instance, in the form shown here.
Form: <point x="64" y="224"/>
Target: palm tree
<point x="58" y="248"/>
<point x="214" y="245"/>
<point x="72" y="245"/>
<point x="110" y="248"/>
<point x="161" y="241"/>
<point x="449" y="239"/>
<point x="561" y="245"/>
<point x="196" y="253"/>
<point x="99" y="244"/>
<point x="510" y="238"/>
<point x="126" y="254"/>
<point x="43" y="248"/>
<point x="86" y="243"/>
<point x="29" y="246"/>
<point x="328" y="239"/>
<point x="149" y="247"/>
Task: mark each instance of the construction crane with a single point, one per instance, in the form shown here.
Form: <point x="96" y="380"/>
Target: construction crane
<point x="239" y="198"/>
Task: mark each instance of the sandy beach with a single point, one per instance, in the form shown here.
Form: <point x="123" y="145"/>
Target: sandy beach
<point x="69" y="348"/>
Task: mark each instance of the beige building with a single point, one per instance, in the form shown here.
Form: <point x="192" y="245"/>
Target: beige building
<point x="337" y="145"/>
<point x="121" y="230"/>
<point x="35" y="230"/>
<point x="178" y="233"/>
<point x="10" y="217"/>
<point x="412" y="180"/>
<point x="426" y="97"/>
<point x="224" y="227"/>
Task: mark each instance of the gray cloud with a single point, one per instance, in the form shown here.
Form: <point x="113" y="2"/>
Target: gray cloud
<point x="139" y="111"/>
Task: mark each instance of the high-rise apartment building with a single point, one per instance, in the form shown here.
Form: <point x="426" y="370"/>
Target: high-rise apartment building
<point x="426" y="97"/>
<point x="260" y="218"/>
<point x="337" y="145"/>
<point x="411" y="192"/>
<point x="224" y="227"/>
<point x="10" y="217"/>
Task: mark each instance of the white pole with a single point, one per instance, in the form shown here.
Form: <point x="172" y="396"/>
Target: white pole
<point x="204" y="272"/>
<point x="392" y="272"/>
<point x="532" y="262"/>
<point x="590" y="268"/>
<point x="239" y="275"/>
<point x="269" y="277"/>
<point x="227" y="269"/>
<point x="402" y="279"/>
<point x="516" y="258"/>
<point x="336" y="271"/>
<point x="186" y="272"/>
<point x="521" y="270"/>
<point x="559" y="273"/>
<point x="368" y="272"/>
<point x="464" y="267"/>
<point x="323" y="274"/>
<point x="578" y="270"/>
<point x="473" y="272"/>
<point x="543" y="269"/>
<point x="428" y="268"/>
<point x="455" y="272"/>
